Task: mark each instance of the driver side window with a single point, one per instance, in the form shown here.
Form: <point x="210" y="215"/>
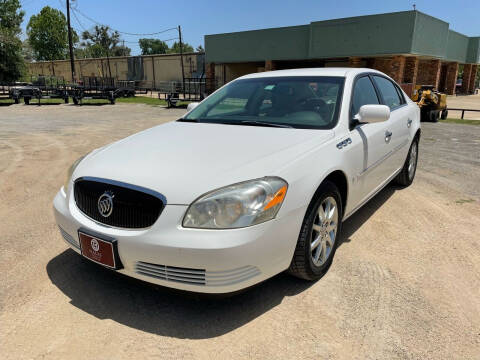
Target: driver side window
<point x="363" y="94"/>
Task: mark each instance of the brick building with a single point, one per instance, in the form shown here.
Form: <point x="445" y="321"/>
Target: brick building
<point x="411" y="47"/>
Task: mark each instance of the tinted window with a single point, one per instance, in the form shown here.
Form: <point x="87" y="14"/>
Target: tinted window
<point x="363" y="94"/>
<point x="299" y="102"/>
<point x="389" y="92"/>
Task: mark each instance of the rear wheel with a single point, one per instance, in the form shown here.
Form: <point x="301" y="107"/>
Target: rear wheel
<point x="444" y="114"/>
<point x="406" y="176"/>
<point x="317" y="241"/>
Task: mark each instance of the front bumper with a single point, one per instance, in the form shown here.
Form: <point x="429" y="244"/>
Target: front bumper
<point x="209" y="261"/>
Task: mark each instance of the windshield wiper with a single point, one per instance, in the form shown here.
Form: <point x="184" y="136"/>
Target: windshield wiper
<point x="187" y="120"/>
<point x="264" y="123"/>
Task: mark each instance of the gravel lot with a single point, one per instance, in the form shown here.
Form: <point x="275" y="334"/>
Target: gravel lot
<point x="405" y="282"/>
<point x="464" y="102"/>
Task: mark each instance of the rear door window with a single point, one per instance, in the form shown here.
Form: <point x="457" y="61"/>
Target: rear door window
<point x="389" y="92"/>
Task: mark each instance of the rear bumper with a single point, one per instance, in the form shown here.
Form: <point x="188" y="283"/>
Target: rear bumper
<point x="209" y="261"/>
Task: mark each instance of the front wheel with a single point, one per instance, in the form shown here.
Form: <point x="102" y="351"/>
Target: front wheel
<point x="406" y="176"/>
<point x="320" y="230"/>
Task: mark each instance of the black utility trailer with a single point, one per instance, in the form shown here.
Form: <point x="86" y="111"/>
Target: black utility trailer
<point x="125" y="88"/>
<point x="93" y="87"/>
<point x="13" y="92"/>
<point x="190" y="90"/>
<point x="45" y="87"/>
<point x="4" y="92"/>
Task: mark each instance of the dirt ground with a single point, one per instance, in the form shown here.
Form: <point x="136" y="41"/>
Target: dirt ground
<point x="464" y="102"/>
<point x="405" y="282"/>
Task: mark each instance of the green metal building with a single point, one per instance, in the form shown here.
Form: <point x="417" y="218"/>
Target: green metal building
<point x="410" y="46"/>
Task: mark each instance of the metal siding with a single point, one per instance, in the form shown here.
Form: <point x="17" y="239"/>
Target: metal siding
<point x="457" y="46"/>
<point x="363" y="35"/>
<point x="407" y="32"/>
<point x="430" y="36"/>
<point x="473" y="52"/>
<point x="289" y="43"/>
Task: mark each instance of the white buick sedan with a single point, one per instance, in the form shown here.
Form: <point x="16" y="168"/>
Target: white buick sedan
<point x="255" y="180"/>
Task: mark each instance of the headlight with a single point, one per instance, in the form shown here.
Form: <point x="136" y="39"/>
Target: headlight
<point x="239" y="205"/>
<point x="70" y="172"/>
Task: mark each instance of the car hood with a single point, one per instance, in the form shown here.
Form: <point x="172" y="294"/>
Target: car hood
<point x="185" y="160"/>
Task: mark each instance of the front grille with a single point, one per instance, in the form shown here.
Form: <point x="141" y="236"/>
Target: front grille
<point x="132" y="208"/>
<point x="196" y="276"/>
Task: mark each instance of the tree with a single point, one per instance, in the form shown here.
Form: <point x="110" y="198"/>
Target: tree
<point x="48" y="35"/>
<point x="152" y="46"/>
<point x="121" y="50"/>
<point x="11" y="64"/>
<point x="175" y="49"/>
<point x="101" y="41"/>
<point x="27" y="51"/>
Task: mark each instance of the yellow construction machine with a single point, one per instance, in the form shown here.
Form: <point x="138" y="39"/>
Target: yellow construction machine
<point x="432" y="103"/>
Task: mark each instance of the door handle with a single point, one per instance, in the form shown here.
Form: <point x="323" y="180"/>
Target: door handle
<point x="388" y="136"/>
<point x="409" y="122"/>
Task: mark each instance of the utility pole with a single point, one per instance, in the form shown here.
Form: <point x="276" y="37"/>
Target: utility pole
<point x="181" y="58"/>
<point x="70" y="43"/>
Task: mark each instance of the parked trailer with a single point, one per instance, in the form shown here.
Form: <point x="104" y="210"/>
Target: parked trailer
<point x="4" y="92"/>
<point x="13" y="92"/>
<point x="125" y="88"/>
<point x="92" y="87"/>
<point x="191" y="90"/>
<point x="45" y="87"/>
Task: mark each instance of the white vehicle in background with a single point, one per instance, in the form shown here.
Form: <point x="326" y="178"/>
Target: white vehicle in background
<point x="254" y="180"/>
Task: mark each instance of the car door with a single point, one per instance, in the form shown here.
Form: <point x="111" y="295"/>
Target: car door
<point x="369" y="140"/>
<point x="397" y="127"/>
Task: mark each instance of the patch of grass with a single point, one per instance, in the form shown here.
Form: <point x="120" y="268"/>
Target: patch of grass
<point x="142" y="100"/>
<point x="464" y="201"/>
<point x="461" y="121"/>
<point x="46" y="101"/>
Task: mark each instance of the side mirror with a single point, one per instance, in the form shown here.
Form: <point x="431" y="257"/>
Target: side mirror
<point x="192" y="106"/>
<point x="373" y="113"/>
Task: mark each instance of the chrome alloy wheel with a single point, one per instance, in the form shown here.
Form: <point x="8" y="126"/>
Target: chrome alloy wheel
<point x="324" y="231"/>
<point x="412" y="164"/>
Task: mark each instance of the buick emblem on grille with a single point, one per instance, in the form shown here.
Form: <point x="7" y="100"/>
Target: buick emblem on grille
<point x="105" y="204"/>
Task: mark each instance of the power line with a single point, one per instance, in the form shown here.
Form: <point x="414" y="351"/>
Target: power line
<point x="122" y="32"/>
<point x="136" y="42"/>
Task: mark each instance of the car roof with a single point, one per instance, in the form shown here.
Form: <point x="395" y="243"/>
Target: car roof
<point x="332" y="71"/>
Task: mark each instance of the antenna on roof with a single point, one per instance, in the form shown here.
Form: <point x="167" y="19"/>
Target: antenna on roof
<point x="414" y="7"/>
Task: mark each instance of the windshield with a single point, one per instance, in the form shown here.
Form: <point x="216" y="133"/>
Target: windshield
<point x="298" y="102"/>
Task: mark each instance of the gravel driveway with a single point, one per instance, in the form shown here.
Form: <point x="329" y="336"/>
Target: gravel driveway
<point x="405" y="282"/>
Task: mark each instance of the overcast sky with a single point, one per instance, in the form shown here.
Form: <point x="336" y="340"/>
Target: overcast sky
<point x="199" y="18"/>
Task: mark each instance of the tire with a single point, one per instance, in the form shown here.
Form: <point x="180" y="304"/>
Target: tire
<point x="434" y="116"/>
<point x="26" y="100"/>
<point x="303" y="262"/>
<point x="444" y="114"/>
<point x="112" y="101"/>
<point x="17" y="101"/>
<point x="75" y="100"/>
<point x="407" y="174"/>
<point x="66" y="100"/>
